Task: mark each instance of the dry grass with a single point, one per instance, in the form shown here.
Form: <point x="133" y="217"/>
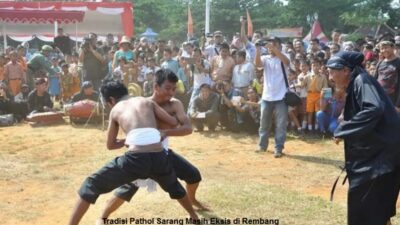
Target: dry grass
<point x="41" y="169"/>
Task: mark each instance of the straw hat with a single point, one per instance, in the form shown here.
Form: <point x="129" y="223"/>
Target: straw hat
<point x="125" y="39"/>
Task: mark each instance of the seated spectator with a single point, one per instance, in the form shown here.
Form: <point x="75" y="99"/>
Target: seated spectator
<point x="6" y="99"/>
<point x="250" y="110"/>
<point x="331" y="108"/>
<point x="86" y="93"/>
<point x="21" y="103"/>
<point x="204" y="109"/>
<point x="229" y="117"/>
<point x="39" y="99"/>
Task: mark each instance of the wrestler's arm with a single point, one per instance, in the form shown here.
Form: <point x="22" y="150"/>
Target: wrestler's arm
<point x="112" y="141"/>
<point x="185" y="127"/>
<point x="162" y="115"/>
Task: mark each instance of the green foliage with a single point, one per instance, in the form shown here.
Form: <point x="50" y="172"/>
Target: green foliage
<point x="169" y="17"/>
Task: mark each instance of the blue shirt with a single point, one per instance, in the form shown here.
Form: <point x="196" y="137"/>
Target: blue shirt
<point x="171" y="64"/>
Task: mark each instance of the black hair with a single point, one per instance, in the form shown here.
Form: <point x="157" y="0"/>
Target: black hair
<point x="165" y="74"/>
<point x="114" y="89"/>
<point x="241" y="53"/>
<point x="224" y="45"/>
<point x="197" y="50"/>
<point x="336" y="30"/>
<point x="168" y="50"/>
<point x="205" y="85"/>
<point x="259" y="32"/>
<point x="315" y="40"/>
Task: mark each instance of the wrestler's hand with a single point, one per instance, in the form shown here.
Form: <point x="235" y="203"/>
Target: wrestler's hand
<point x="337" y="140"/>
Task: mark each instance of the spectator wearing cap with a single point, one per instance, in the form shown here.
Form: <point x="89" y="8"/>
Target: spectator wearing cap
<point x="222" y="65"/>
<point x="94" y="64"/>
<point x="39" y="99"/>
<point x="14" y="74"/>
<point x="124" y="51"/>
<point x="214" y="49"/>
<point x="273" y="95"/>
<point x="39" y="65"/>
<point x="169" y="62"/>
<point x="370" y="132"/>
<point x="63" y="42"/>
<point x="204" y="110"/>
<point x="388" y="72"/>
<point x="86" y="93"/>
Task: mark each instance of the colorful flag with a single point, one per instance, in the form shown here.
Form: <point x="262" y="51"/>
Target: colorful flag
<point x="249" y="25"/>
<point x="316" y="32"/>
<point x="190" y="23"/>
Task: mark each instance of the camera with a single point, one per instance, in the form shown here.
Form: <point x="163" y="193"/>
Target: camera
<point x="86" y="43"/>
<point x="260" y="43"/>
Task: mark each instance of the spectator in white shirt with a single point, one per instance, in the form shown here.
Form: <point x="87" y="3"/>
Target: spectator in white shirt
<point x="243" y="72"/>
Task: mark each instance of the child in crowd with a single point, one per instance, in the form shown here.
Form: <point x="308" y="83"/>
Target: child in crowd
<point x="54" y="80"/>
<point x="314" y="83"/>
<point x="66" y="83"/>
<point x="302" y="91"/>
<point x="148" y="84"/>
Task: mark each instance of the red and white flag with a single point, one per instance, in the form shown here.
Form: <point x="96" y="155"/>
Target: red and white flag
<point x="316" y="32"/>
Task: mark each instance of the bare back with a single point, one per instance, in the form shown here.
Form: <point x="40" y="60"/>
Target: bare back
<point x="134" y="113"/>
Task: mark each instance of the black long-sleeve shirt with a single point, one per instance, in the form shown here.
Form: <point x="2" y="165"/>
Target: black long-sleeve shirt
<point x="370" y="130"/>
<point x="37" y="103"/>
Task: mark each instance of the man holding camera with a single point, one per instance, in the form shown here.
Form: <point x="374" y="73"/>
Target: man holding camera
<point x="273" y="95"/>
<point x="93" y="61"/>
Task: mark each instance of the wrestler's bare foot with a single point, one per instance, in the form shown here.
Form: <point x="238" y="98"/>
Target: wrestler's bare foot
<point x="200" y="206"/>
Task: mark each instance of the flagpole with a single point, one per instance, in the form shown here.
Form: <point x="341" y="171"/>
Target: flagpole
<point x="208" y="6"/>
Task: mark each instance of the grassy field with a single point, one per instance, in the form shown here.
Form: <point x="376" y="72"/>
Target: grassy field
<point x="42" y="168"/>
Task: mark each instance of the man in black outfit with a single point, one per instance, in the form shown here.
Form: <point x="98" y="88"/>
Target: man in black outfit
<point x="370" y="131"/>
<point x="63" y="42"/>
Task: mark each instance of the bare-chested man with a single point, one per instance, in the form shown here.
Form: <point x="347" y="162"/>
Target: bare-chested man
<point x="164" y="90"/>
<point x="145" y="157"/>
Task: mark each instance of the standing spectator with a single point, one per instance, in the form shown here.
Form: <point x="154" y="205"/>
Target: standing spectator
<point x="67" y="82"/>
<point x="109" y="45"/>
<point x="200" y="70"/>
<point x="330" y="110"/>
<point x="388" y="72"/>
<point x="124" y="51"/>
<point x="336" y="33"/>
<point x="2" y="64"/>
<point x="169" y="62"/>
<point x="93" y="61"/>
<point x="243" y="72"/>
<point x="222" y="65"/>
<point x="39" y="99"/>
<point x="63" y="42"/>
<point x="314" y="83"/>
<point x="302" y="91"/>
<point x="204" y="109"/>
<point x="214" y="49"/>
<point x="159" y="54"/>
<point x="148" y="84"/>
<point x="21" y="51"/>
<point x="273" y="93"/>
<point x="370" y="130"/>
<point x="39" y="65"/>
<point x="54" y="80"/>
<point x="14" y="74"/>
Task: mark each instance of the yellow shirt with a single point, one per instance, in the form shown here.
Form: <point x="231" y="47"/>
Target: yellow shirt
<point x="315" y="83"/>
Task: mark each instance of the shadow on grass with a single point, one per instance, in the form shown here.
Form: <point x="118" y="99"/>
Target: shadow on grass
<point x="317" y="160"/>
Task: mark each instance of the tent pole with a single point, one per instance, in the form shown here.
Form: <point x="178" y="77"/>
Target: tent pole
<point x="76" y="36"/>
<point x="4" y="37"/>
<point x="55" y="28"/>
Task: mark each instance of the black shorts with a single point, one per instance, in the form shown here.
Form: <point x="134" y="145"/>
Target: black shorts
<point x="184" y="171"/>
<point x="129" y="167"/>
<point x="374" y="202"/>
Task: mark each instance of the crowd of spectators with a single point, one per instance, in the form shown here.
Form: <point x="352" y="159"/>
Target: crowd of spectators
<point x="236" y="85"/>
